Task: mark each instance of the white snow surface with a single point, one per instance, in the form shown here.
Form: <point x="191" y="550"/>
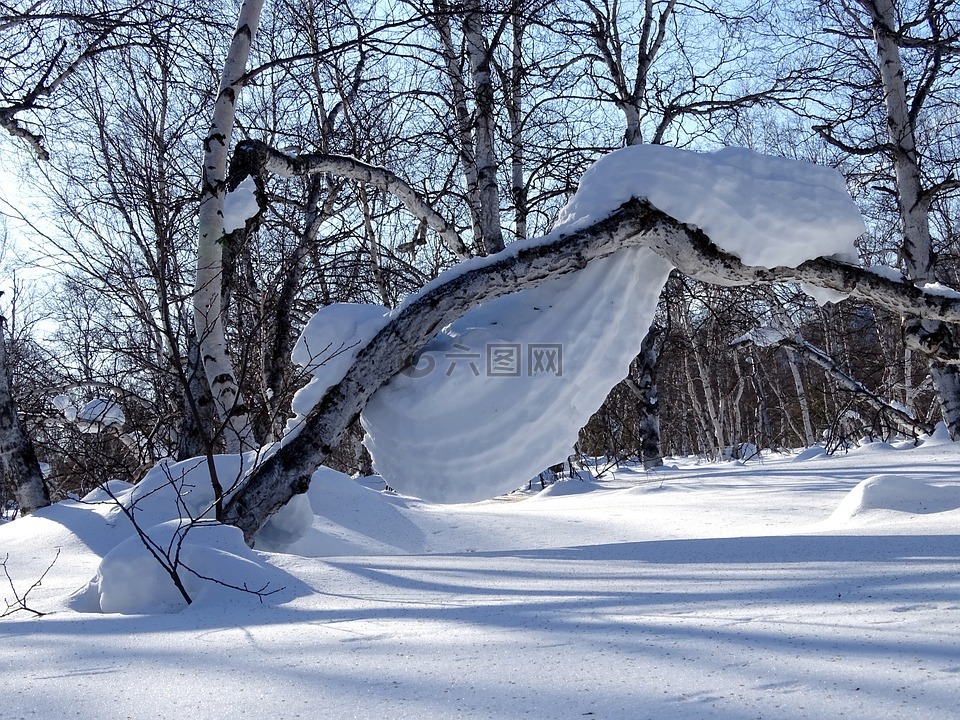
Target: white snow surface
<point x="531" y="366"/>
<point x="240" y="205"/>
<point x="769" y="211"/>
<point x="100" y="413"/>
<point x="699" y="592"/>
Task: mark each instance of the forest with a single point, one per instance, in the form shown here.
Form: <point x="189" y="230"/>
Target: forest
<point x="198" y="179"/>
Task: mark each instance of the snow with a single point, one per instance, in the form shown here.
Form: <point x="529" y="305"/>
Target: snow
<point x="240" y="205"/>
<point x="885" y="271"/>
<point x="706" y="592"/>
<point x="899" y="493"/>
<point x="326" y="349"/>
<point x="207" y="557"/>
<point x="768" y="211"/>
<point x="443" y="430"/>
<point x="535" y="365"/>
<point x="99" y="414"/>
<point x="941" y="290"/>
<point x="823" y="296"/>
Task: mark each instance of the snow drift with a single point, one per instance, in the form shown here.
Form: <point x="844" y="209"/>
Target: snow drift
<point x="898" y="493"/>
<point x="532" y="366"/>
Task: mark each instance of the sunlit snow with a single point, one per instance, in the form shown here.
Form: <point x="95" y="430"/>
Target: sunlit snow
<point x="769" y="211"/>
<point x="703" y="592"/>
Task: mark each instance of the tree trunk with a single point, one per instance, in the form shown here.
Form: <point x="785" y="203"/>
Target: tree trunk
<point x="515" y="117"/>
<point x="199" y="419"/>
<point x="17" y="455"/>
<point x="809" y="436"/>
<point x="466" y="146"/>
<point x="207" y="301"/>
<point x="478" y="54"/>
<point x="913" y="203"/>
<point x="645" y="390"/>
<point x="288" y="471"/>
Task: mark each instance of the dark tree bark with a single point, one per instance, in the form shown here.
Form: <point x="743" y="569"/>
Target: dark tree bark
<point x="644" y="388"/>
<point x="198" y="414"/>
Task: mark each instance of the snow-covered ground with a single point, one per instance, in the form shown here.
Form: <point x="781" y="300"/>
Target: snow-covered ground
<point x="786" y="588"/>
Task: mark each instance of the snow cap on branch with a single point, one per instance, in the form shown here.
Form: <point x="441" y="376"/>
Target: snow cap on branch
<point x="768" y="211"/>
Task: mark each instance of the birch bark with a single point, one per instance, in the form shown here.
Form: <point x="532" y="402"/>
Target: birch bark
<point x="478" y="54"/>
<point x="913" y="203"/>
<point x="17" y="455"/>
<point x="207" y="303"/>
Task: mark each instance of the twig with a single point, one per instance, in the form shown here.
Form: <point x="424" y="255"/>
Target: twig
<point x="21" y="600"/>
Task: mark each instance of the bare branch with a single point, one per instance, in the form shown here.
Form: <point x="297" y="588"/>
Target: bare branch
<point x="259" y="154"/>
<point x="20" y="601"/>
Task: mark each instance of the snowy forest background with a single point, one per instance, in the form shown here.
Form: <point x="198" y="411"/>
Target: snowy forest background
<point x="489" y="113"/>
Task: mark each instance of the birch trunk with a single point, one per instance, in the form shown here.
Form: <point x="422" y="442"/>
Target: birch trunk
<point x="199" y="419"/>
<point x="478" y="54"/>
<point x="515" y="117"/>
<point x="914" y="208"/>
<point x="17" y="455"/>
<point x="288" y="471"/>
<point x="809" y="436"/>
<point x="466" y="148"/>
<point x="712" y="407"/>
<point x="914" y="205"/>
<point x="645" y="391"/>
<point x="207" y="301"/>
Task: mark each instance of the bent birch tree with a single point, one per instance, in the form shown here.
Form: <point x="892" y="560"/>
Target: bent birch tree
<point x="636" y="223"/>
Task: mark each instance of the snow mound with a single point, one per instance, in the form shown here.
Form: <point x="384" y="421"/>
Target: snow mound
<point x="562" y="488"/>
<point x="940" y="436"/>
<point x="769" y="211"/>
<point x="898" y="493"/>
<point x="532" y="366"/>
<point x="866" y="445"/>
<point x="808" y="454"/>
<point x="132" y="580"/>
<point x="351" y="519"/>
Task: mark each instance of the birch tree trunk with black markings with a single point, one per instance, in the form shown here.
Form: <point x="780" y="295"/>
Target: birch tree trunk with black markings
<point x="207" y="298"/>
<point x="913" y="202"/>
<point x="17" y="455"/>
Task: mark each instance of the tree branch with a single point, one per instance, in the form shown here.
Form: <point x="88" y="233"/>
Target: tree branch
<point x="257" y="154"/>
